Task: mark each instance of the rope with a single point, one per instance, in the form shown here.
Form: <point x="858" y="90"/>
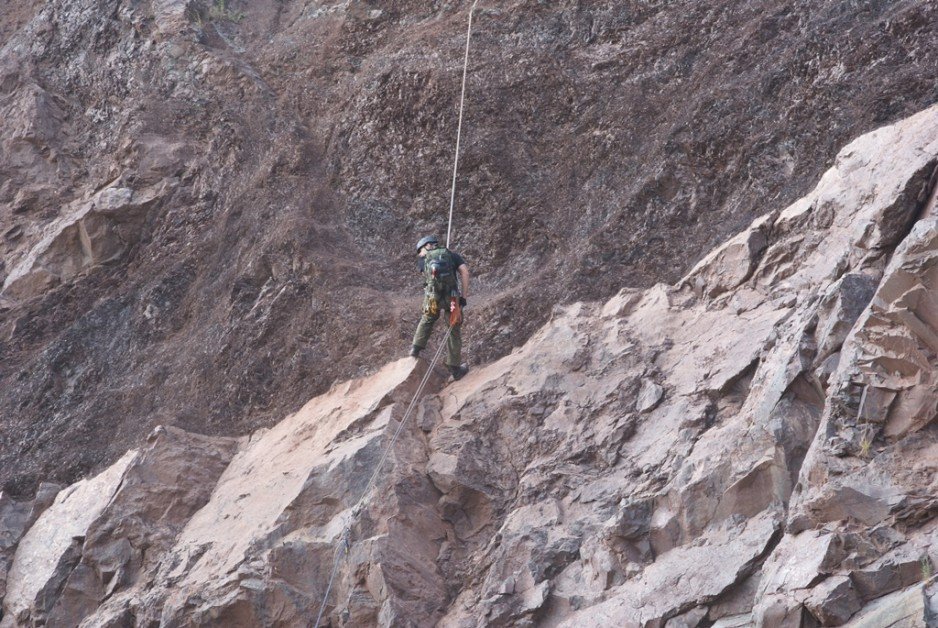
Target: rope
<point x="343" y="547"/>
<point x="413" y="403"/>
<point x="462" y="100"/>
<point x="345" y="543"/>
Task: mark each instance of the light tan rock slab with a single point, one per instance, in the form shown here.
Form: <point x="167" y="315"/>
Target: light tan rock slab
<point x="42" y="556"/>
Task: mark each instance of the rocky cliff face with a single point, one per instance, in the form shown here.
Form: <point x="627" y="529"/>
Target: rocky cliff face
<point x="207" y="206"/>
<point x="753" y="445"/>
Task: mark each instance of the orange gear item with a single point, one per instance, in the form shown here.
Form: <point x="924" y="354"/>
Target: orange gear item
<point x="455" y="311"/>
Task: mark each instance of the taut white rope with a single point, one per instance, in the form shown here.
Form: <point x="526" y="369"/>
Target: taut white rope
<point x="462" y="101"/>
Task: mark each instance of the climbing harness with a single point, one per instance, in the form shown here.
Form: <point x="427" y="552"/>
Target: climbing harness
<point x="345" y="543"/>
<point x="462" y="100"/>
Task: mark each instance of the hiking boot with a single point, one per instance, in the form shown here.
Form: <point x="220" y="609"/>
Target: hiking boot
<point x="458" y="372"/>
<point x="415" y="351"/>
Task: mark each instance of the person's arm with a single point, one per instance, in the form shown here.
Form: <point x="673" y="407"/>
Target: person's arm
<point x="464" y="280"/>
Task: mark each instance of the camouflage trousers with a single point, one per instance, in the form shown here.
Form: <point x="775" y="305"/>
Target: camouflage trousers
<point x="428" y="320"/>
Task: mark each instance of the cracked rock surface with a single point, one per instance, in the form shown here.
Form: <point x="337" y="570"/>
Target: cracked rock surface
<point x="753" y="445"/>
<point x="208" y="207"/>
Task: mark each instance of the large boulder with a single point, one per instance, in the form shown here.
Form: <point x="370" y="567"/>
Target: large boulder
<point x="95" y="231"/>
<point x="16" y="517"/>
<point x="98" y="537"/>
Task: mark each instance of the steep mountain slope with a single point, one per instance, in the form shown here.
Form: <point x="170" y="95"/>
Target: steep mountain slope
<point x="207" y="207"/>
<point x="754" y="445"/>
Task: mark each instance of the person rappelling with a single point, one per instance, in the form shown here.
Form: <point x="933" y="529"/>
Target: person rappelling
<point x="445" y="272"/>
<point x="446" y="286"/>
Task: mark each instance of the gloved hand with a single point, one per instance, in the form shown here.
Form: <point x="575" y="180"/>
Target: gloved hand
<point x="462" y="301"/>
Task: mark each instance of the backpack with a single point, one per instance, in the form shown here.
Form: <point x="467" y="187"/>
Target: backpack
<point x="439" y="268"/>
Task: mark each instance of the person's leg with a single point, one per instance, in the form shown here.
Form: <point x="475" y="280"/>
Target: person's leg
<point x="425" y="326"/>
